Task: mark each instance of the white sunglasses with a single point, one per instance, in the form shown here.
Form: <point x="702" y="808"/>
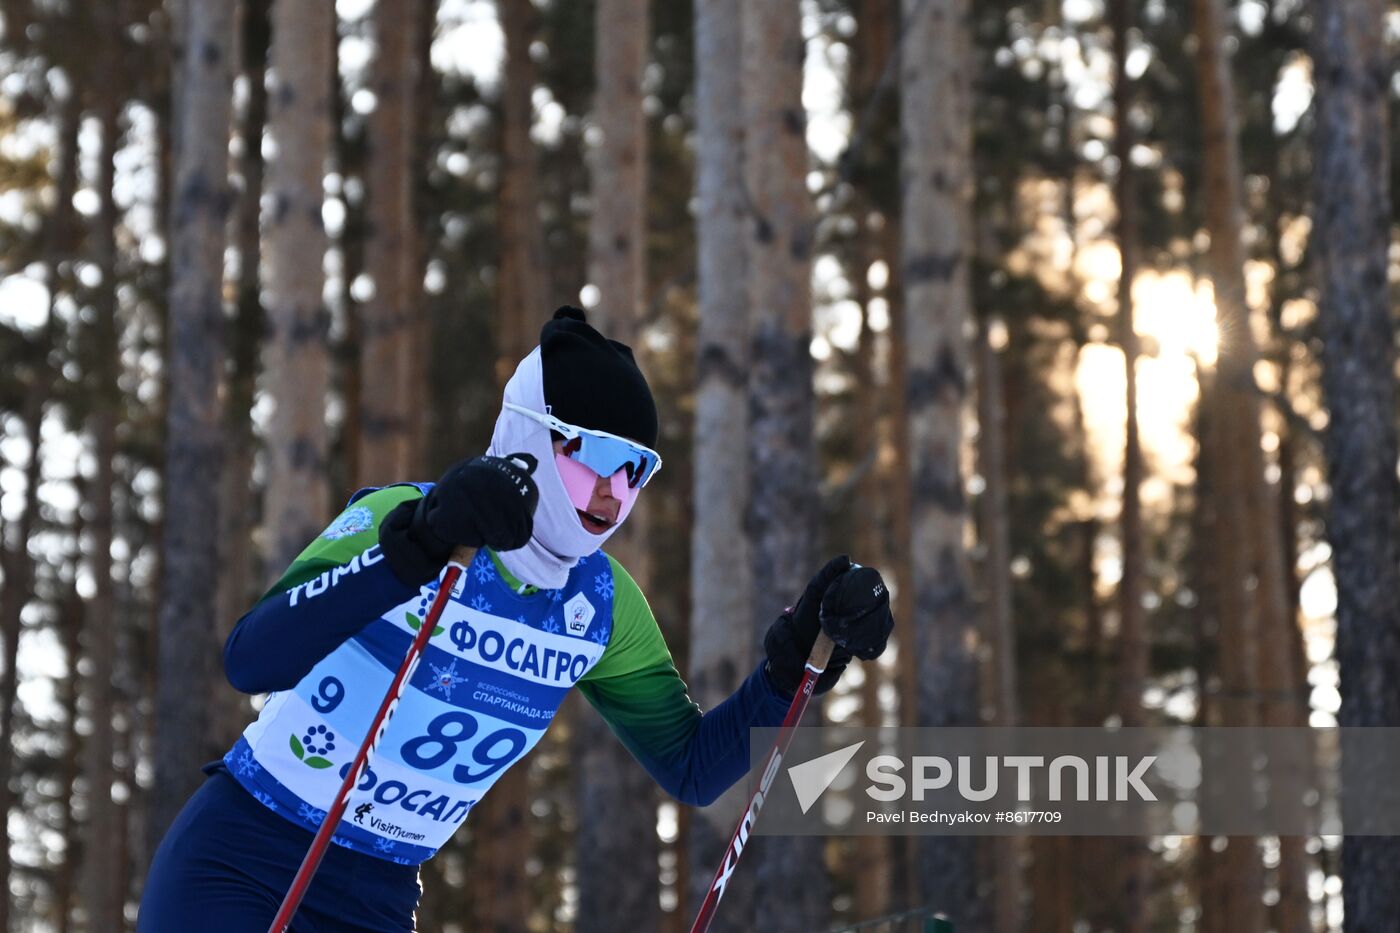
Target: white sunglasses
<point x="601" y="452"/>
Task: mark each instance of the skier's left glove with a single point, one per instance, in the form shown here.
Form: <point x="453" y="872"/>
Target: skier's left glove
<point x="851" y="603"/>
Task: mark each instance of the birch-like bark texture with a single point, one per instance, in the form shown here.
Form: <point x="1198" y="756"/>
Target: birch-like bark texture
<point x="521" y="292"/>
<point x="386" y="335"/>
<point x="297" y="368"/>
<point x="782" y="517"/>
<point x="617" y="799"/>
<point x="936" y="182"/>
<point x="189" y="553"/>
<point x="1350" y="239"/>
<point x="721" y="576"/>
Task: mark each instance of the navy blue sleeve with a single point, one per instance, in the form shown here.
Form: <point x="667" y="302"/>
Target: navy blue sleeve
<point x="334" y="588"/>
<point x="283" y="637"/>
<point x="695" y="757"/>
<point x="718" y="753"/>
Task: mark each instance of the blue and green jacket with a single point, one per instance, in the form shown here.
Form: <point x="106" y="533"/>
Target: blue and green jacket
<point x="328" y="637"/>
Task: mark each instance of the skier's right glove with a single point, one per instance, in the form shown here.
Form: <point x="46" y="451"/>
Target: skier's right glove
<point x="485" y="501"/>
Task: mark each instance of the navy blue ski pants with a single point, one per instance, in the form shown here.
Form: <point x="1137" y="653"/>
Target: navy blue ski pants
<point x="227" y="861"/>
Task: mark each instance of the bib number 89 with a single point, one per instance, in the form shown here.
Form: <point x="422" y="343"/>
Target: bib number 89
<point x="448" y="731"/>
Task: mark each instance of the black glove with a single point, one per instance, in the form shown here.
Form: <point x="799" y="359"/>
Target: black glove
<point x="856" y="612"/>
<point x="851" y="603"/>
<point x="486" y="501"/>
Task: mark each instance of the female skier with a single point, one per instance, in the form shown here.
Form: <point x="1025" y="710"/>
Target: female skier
<point x="541" y="610"/>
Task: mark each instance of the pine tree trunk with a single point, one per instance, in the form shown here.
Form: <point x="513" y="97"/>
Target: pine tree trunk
<point x="102" y="890"/>
<point x="17" y="592"/>
<point x="903" y="868"/>
<point x="1005" y="851"/>
<point x="300" y="115"/>
<point x="936" y="178"/>
<point x="1293" y="908"/>
<point x="1206" y="580"/>
<point x="236" y="586"/>
<point x="720" y="572"/>
<point x="1275" y="677"/>
<point x="521" y="293"/>
<point x="349" y="162"/>
<point x="1282" y="680"/>
<point x="616" y="230"/>
<point x="425" y="225"/>
<point x="1238" y="644"/>
<point x="189" y="553"/>
<point x="386" y="345"/>
<point x="18" y="565"/>
<point x="504" y="841"/>
<point x="66" y="882"/>
<point x="996" y="532"/>
<point x="1350" y="239"/>
<point x="617" y="805"/>
<point x="1132" y="862"/>
<point x="782" y="455"/>
<point x="124" y="704"/>
<point x="874" y="877"/>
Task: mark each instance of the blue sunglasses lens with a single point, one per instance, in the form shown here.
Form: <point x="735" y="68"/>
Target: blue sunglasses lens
<point x="603" y="454"/>
<point x="606" y="455"/>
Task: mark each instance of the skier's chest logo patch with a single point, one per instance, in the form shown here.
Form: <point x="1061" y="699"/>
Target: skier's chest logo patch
<point x="578" y="612"/>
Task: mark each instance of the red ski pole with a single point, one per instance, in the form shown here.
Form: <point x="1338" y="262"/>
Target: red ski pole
<point x="816" y="664"/>
<point x="455" y="568"/>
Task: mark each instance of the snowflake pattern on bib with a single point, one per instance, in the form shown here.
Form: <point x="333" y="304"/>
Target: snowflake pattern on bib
<point x="491" y="678"/>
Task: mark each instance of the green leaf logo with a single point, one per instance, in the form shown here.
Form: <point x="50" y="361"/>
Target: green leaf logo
<point x="318" y="762"/>
<point x="414" y="622"/>
<point x="297" y="749"/>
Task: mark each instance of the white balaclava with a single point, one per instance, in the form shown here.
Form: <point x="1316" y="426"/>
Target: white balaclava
<point x="559" y="539"/>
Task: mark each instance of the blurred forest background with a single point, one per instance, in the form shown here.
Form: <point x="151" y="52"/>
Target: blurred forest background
<point x="889" y="266"/>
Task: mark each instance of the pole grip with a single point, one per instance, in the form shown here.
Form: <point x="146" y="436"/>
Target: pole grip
<point x="820" y="655"/>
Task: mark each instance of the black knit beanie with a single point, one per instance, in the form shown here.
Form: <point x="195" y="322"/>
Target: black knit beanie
<point x="594" y="382"/>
